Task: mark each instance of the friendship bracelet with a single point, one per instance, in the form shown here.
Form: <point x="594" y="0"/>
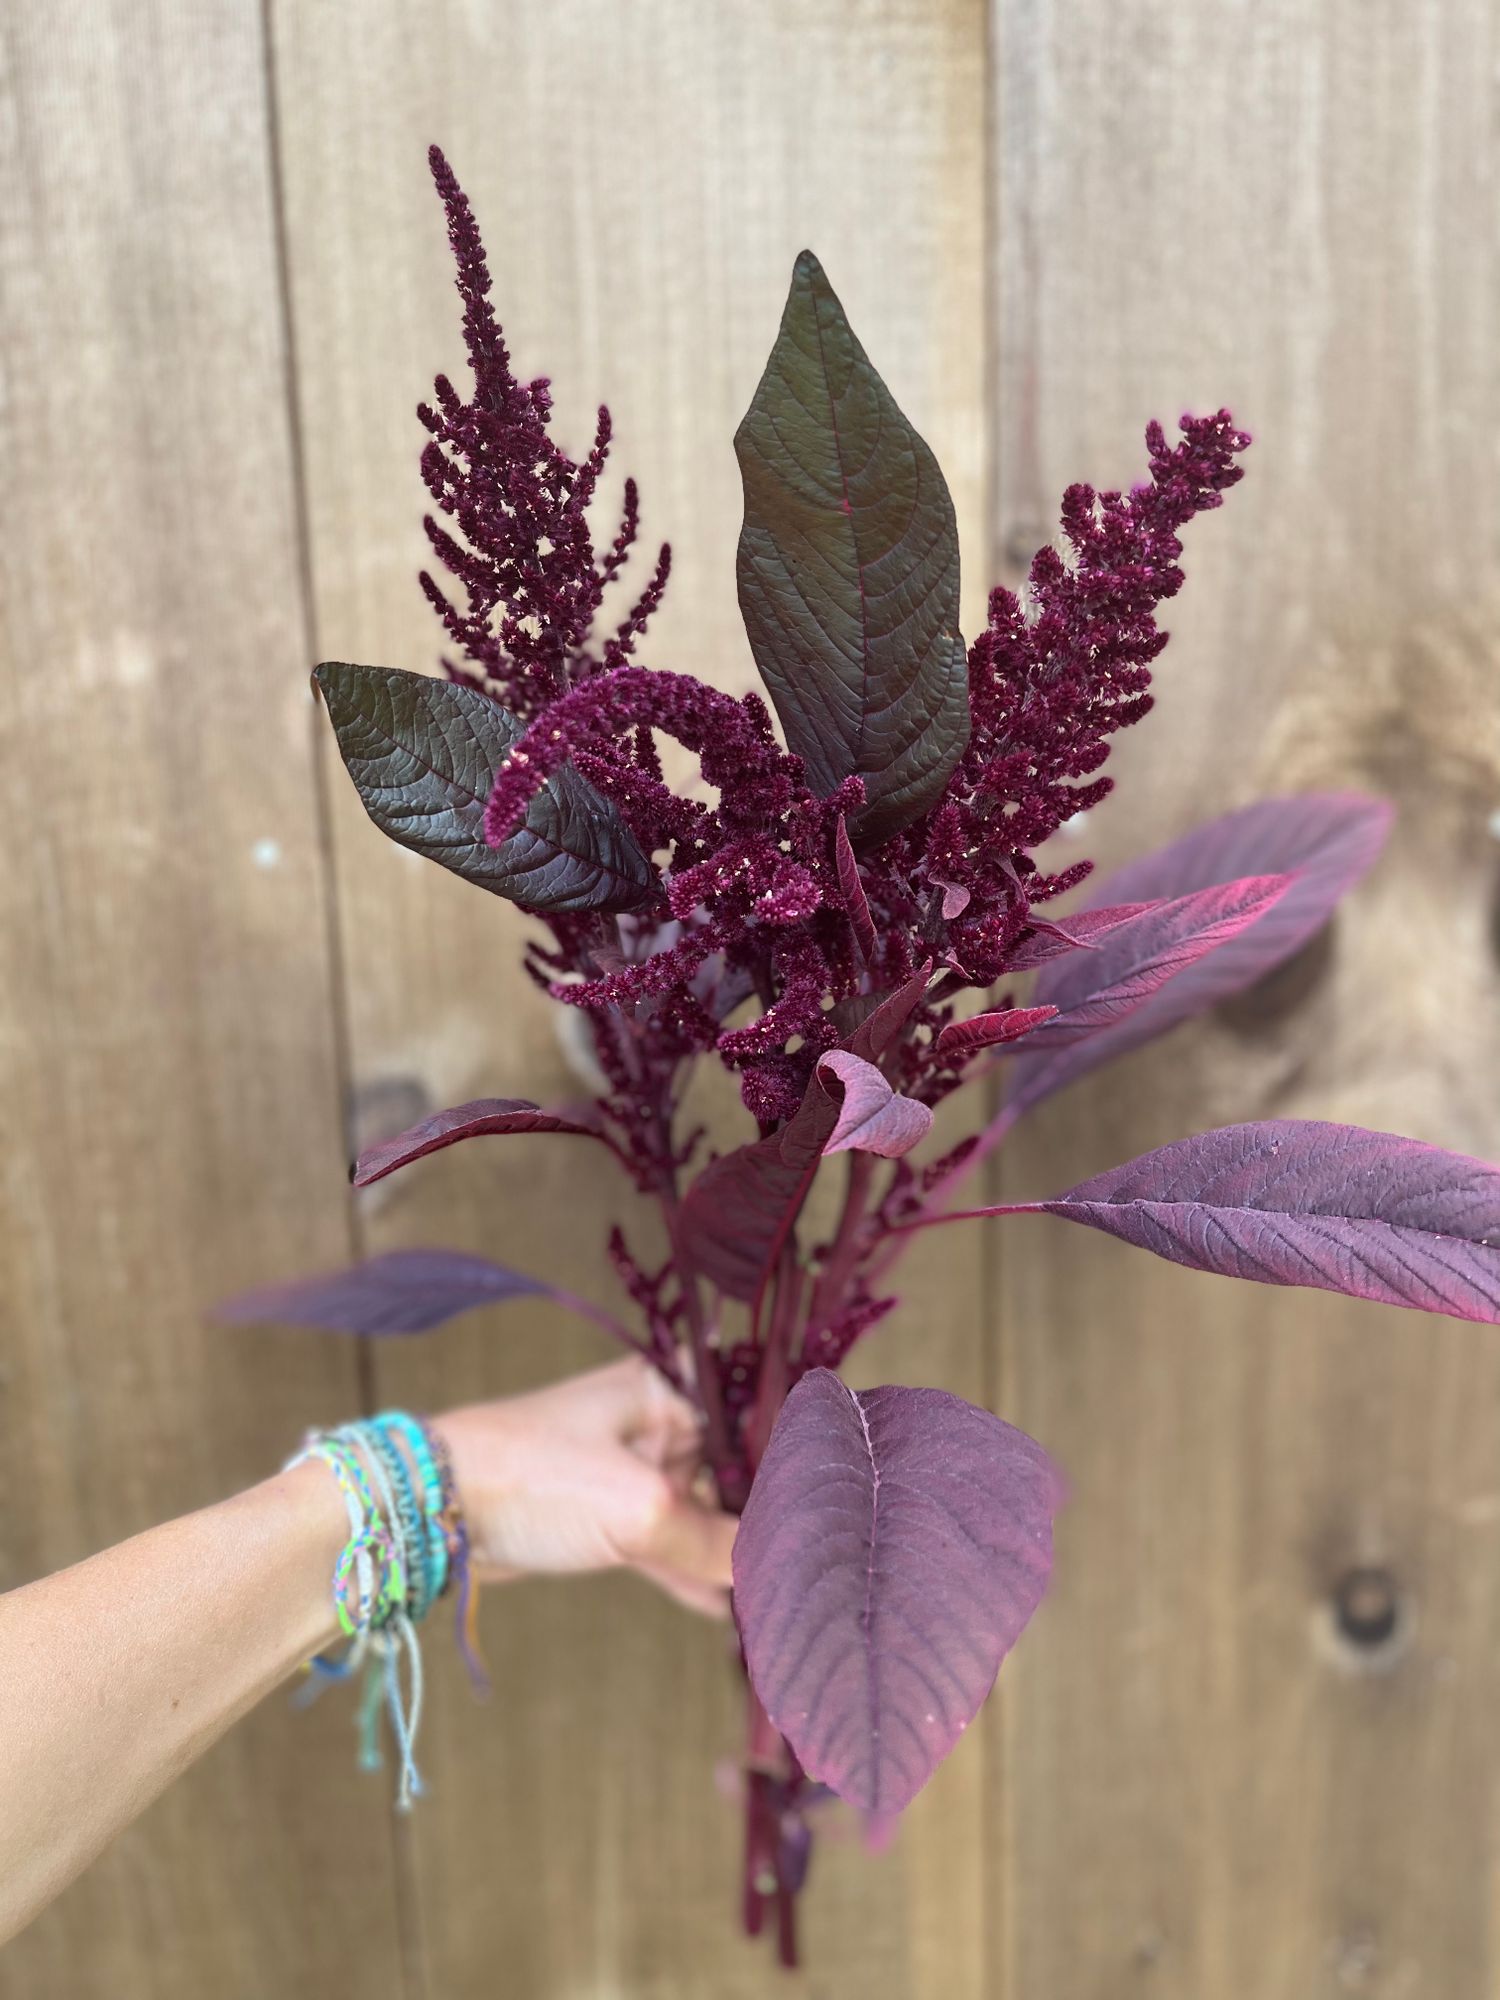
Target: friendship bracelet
<point x="368" y="1542"/>
<point x="466" y="1615"/>
<point x="391" y="1629"/>
<point x="408" y="1513"/>
<point x="407" y="1544"/>
<point x="419" y="1441"/>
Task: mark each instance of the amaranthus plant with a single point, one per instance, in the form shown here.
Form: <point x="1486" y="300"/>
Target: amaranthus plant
<point x="828" y="914"/>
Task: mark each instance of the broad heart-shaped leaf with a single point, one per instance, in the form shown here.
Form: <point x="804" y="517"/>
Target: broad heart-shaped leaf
<point x="894" y="1545"/>
<point x="1325" y="840"/>
<point x="404" y="1291"/>
<point x="1297" y="1202"/>
<point x="485" y="1117"/>
<point x="848" y="569"/>
<point x="423" y="754"/>
<point x="1093" y="990"/>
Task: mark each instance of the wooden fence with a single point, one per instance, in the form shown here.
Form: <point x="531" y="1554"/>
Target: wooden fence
<point x="225" y="285"/>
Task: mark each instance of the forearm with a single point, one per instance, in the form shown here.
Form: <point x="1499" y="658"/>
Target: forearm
<point x="116" y="1674"/>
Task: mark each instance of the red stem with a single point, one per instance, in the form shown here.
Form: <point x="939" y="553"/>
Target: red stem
<point x="767" y="1767"/>
<point x="992" y="1137"/>
<point x="966" y="1215"/>
<point x="844" y="1251"/>
<point x="776" y="1363"/>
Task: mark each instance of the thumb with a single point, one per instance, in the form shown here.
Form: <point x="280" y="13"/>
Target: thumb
<point x="693" y="1542"/>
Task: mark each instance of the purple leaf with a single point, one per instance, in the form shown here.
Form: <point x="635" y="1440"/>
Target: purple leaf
<point x="986" y="1031"/>
<point x="853" y="892"/>
<point x="879" y="1029"/>
<point x="485" y="1117"/>
<point x="1093" y="992"/>
<point x="735" y="1210"/>
<point x="1325" y="840"/>
<point x="895" y="1543"/>
<point x="742" y="1204"/>
<point x="1297" y="1202"/>
<point x="848" y="570"/>
<point x="872" y="1117"/>
<point x="1084" y="930"/>
<point x="404" y="1291"/>
<point x="423" y="754"/>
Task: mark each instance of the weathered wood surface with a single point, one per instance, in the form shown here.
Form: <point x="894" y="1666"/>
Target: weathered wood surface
<point x="168" y="1070"/>
<point x="1049" y="224"/>
<point x="1285" y="210"/>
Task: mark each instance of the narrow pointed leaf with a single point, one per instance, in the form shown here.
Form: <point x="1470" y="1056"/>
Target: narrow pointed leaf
<point x="1084" y="930"/>
<point x="423" y="754"/>
<point x="873" y="1036"/>
<point x="485" y="1117"/>
<point x="987" y="1031"/>
<point x="1326" y="841"/>
<point x="1135" y="961"/>
<point x="405" y="1291"/>
<point x="848" y="569"/>
<point x="872" y="1118"/>
<point x="853" y="892"/>
<point x="895" y="1543"/>
<point x="1297" y="1202"/>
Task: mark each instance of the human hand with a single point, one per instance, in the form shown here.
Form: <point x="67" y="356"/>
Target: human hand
<point x="594" y="1472"/>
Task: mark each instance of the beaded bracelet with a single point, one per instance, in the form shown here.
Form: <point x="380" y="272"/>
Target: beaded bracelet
<point x="407" y="1543"/>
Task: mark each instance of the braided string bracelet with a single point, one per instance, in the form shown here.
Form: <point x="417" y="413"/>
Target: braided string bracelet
<point x="407" y="1544"/>
<point x="456" y="1530"/>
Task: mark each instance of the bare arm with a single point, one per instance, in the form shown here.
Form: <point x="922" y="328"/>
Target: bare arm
<point x="117" y="1673"/>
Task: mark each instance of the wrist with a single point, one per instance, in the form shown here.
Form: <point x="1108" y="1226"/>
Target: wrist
<point x="300" y="1512"/>
<point x="487" y="1481"/>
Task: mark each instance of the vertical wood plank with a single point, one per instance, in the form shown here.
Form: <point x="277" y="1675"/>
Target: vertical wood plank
<point x="1208" y="1794"/>
<point x="644" y="177"/>
<point x="167" y="1065"/>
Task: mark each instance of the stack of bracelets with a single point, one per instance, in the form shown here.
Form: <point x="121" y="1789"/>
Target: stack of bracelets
<point x="407" y="1547"/>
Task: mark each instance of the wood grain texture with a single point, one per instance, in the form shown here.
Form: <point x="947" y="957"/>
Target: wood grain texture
<point x="644" y="178"/>
<point x="1208" y="1795"/>
<point x="1192" y="1786"/>
<point x="167" y="1061"/>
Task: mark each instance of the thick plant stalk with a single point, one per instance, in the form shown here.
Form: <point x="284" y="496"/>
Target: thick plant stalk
<point x="776" y="1852"/>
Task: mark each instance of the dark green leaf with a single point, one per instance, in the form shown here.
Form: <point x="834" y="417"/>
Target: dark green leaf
<point x="848" y="569"/>
<point x="423" y="755"/>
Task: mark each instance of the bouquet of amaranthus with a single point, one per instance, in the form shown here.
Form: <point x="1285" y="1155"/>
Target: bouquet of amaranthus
<point x="828" y="913"/>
